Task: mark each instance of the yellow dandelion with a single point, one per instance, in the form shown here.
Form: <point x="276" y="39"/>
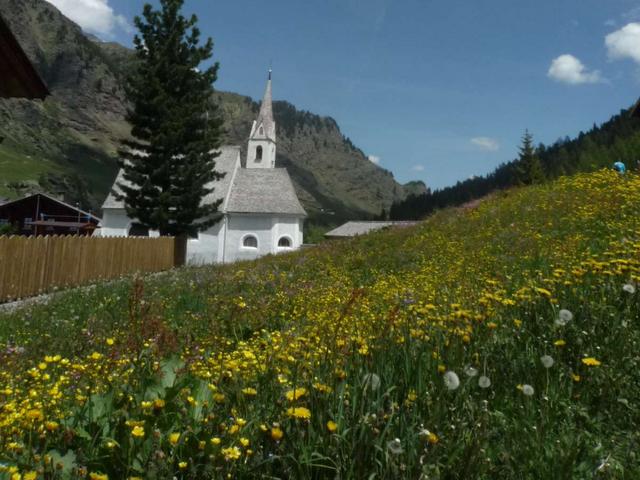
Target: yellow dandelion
<point x="277" y="434"/>
<point x="591" y="362"/>
<point x="560" y="343"/>
<point x="174" y="438"/>
<point x="332" y="426"/>
<point x="295" y="394"/>
<point x="137" y="431"/>
<point x="299" y="412"/>
<point x="182" y="465"/>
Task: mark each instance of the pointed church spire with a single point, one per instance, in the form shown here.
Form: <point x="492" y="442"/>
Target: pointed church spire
<point x="265" y="117"/>
<point x="261" y="151"/>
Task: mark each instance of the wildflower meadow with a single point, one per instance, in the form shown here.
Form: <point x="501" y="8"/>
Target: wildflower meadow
<point x="501" y="341"/>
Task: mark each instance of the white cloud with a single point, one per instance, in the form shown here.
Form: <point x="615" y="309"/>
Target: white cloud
<point x="624" y="43"/>
<point x="417" y="168"/>
<point x="374" y="159"/>
<point x="568" y="69"/>
<point x="95" y="16"/>
<point x="486" y="143"/>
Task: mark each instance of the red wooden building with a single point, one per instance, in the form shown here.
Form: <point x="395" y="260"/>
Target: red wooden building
<point x="41" y="214"/>
<point x="18" y="77"/>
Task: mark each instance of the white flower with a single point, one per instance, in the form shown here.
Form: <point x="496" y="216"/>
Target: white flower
<point x="564" y="317"/>
<point x="470" y="371"/>
<point x="395" y="446"/>
<point x="527" y="390"/>
<point x="451" y="380"/>
<point x="484" y="382"/>
<point x="372" y="381"/>
<point x="629" y="288"/>
<point x="547" y="361"/>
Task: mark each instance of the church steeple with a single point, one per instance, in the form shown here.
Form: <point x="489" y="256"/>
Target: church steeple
<point x="261" y="152"/>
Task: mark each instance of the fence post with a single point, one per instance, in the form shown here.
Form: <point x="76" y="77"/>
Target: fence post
<point x="180" y="250"/>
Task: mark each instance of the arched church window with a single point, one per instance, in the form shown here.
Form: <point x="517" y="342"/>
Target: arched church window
<point x="284" y="242"/>
<point x="138" y="230"/>
<point x="258" y="153"/>
<point x="250" y="242"/>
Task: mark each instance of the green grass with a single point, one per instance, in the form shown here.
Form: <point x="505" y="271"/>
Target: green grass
<point x="20" y="167"/>
<point x="191" y="374"/>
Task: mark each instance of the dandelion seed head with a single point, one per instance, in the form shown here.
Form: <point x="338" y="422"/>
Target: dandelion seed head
<point x="395" y="446"/>
<point x="470" y="371"/>
<point x="484" y="382"/>
<point x="527" y="390"/>
<point x="629" y="288"/>
<point x="451" y="380"/>
<point x="547" y="361"/>
<point x="564" y="317"/>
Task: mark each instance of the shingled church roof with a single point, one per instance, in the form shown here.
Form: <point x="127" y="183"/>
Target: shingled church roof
<point x="263" y="191"/>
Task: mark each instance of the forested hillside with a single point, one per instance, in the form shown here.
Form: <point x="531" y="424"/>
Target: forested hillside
<point x="616" y="139"/>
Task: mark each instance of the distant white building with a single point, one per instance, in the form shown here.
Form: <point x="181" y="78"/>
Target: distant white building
<point x="260" y="211"/>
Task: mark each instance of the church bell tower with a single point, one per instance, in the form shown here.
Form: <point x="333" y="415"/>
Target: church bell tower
<point x="261" y="151"/>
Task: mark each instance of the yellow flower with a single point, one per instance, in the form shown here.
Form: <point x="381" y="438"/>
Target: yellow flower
<point x="33" y="475"/>
<point x="560" y="343"/>
<point x="137" y="431"/>
<point x="174" y="438"/>
<point x="295" y="394"/>
<point x="244" y="442"/>
<point x="42" y="366"/>
<point x="98" y="476"/>
<point x="332" y="426"/>
<point x="277" y="433"/>
<point x="250" y="392"/>
<point x="231" y="453"/>
<point x="158" y="403"/>
<point x="299" y="412"/>
<point x="110" y="341"/>
<point x="182" y="465"/>
<point x="492" y="325"/>
<point x="96" y="356"/>
<point x="517" y="323"/>
<point x="575" y="378"/>
<point x="590" y="362"/>
<point x="51" y="426"/>
<point x="35" y="414"/>
<point x="215" y="441"/>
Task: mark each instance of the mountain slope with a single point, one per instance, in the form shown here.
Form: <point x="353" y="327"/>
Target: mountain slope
<point x="68" y="143"/>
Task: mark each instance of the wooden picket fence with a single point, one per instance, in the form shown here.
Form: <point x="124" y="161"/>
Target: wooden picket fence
<point x="33" y="265"/>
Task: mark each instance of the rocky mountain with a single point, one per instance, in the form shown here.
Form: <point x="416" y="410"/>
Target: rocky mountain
<point x="67" y="144"/>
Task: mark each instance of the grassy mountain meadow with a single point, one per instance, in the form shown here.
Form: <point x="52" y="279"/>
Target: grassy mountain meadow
<point x="68" y="143"/>
<point x="497" y="342"/>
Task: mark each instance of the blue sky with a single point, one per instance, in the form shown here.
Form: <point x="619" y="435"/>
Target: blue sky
<point x="434" y="90"/>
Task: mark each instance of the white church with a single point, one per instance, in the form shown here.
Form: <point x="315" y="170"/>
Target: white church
<point x="261" y="213"/>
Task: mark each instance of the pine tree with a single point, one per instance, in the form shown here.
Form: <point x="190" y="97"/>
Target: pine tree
<point x="168" y="162"/>
<point x="529" y="166"/>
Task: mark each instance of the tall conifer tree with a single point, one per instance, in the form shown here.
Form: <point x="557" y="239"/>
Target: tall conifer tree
<point x="175" y="125"/>
<point x="529" y="166"/>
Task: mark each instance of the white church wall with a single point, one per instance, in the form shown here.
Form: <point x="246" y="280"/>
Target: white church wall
<point x="115" y="223"/>
<point x="288" y="227"/>
<point x="239" y="227"/>
<point x="207" y="248"/>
